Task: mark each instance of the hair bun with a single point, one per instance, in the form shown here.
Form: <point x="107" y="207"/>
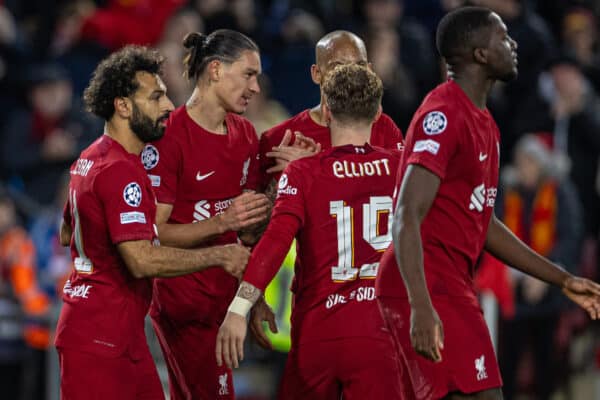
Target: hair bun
<point x="193" y="39"/>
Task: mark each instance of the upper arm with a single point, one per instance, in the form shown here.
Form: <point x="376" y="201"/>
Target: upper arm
<point x="417" y="192"/>
<point x="65" y="233"/>
<point x="133" y="253"/>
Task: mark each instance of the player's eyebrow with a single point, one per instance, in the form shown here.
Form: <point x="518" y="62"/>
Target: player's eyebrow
<point x="157" y="93"/>
<point x="252" y="71"/>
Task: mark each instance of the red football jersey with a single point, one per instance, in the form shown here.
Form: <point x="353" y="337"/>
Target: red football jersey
<point x="459" y="143"/>
<point x="110" y="201"/>
<point x="384" y="133"/>
<point x="199" y="173"/>
<point x="342" y="199"/>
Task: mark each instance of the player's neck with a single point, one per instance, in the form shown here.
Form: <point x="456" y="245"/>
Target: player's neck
<point x="355" y="135"/>
<point x="204" y="109"/>
<point x="476" y="86"/>
<point x="316" y="114"/>
<point x="120" y="132"/>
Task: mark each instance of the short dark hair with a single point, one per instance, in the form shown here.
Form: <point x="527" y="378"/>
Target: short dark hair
<point x="115" y="77"/>
<point x="460" y="31"/>
<point x="224" y="45"/>
<point x="352" y="93"/>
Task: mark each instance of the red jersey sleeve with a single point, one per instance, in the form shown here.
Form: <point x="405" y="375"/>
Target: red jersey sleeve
<point x="269" y="253"/>
<point x="165" y="168"/>
<point x="265" y="145"/>
<point x="393" y="139"/>
<point x="292" y="189"/>
<point x="128" y="203"/>
<point x="435" y="139"/>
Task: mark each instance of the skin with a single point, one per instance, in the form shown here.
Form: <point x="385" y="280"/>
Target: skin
<point x="475" y="72"/>
<point x="141" y="257"/>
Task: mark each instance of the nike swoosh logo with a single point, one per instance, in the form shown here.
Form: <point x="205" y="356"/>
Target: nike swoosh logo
<point x="202" y="177"/>
<point x="482" y="156"/>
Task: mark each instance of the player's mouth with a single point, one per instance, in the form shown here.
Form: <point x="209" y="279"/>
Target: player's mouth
<point x="515" y="59"/>
<point x="162" y="121"/>
<point x="246" y="99"/>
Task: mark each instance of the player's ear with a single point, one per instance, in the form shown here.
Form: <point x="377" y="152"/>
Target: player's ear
<point x="480" y="55"/>
<point x="214" y="70"/>
<point x="122" y="106"/>
<point x="315" y="74"/>
<point x="379" y="112"/>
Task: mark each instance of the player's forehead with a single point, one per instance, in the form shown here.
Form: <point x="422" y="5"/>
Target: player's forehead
<point x="344" y="50"/>
<point x="149" y="83"/>
<point x="248" y="60"/>
<point x="497" y="26"/>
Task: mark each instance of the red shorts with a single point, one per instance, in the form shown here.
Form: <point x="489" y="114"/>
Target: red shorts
<point x="88" y="376"/>
<point x="189" y="351"/>
<point x="468" y="360"/>
<point x="352" y="368"/>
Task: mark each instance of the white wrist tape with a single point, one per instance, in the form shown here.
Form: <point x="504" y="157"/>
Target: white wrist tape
<point x="240" y="306"/>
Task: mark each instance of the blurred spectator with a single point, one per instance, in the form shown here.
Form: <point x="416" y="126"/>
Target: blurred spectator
<point x="292" y="86"/>
<point x="24" y="332"/>
<point x="536" y="46"/>
<point x="184" y="21"/>
<point x="263" y="111"/>
<point x="129" y="22"/>
<point x="543" y="210"/>
<point x="567" y="105"/>
<point x="580" y="39"/>
<point x="41" y="141"/>
<point x="400" y="97"/>
<point x="53" y="260"/>
<point x="405" y="40"/>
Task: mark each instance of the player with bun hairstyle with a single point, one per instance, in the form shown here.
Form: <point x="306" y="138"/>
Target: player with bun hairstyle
<point x="204" y="172"/>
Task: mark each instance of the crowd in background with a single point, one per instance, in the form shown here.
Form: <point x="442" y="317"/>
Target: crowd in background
<point x="549" y="118"/>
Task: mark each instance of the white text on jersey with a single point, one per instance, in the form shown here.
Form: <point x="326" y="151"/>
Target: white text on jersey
<point x="82" y="167"/>
<point x="351" y="169"/>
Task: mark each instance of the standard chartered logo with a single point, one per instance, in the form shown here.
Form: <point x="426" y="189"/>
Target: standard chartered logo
<point x="202" y="210"/>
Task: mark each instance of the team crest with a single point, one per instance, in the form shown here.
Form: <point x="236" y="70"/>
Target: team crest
<point x="132" y="194"/>
<point x="150" y="156"/>
<point x="435" y="123"/>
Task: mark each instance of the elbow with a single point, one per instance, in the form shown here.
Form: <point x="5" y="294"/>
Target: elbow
<point x="138" y="268"/>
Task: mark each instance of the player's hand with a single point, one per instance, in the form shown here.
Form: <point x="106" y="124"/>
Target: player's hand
<point x="230" y="340"/>
<point x="584" y="293"/>
<point x="233" y="259"/>
<point x="285" y="153"/>
<point x="262" y="312"/>
<point x="246" y="210"/>
<point x="427" y="332"/>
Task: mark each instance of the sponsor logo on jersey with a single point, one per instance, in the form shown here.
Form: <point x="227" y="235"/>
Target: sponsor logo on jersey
<point x="133" y="217"/>
<point x="429" y="145"/>
<point x="150" y="156"/>
<point x="480" y="368"/>
<point x="435" y="123"/>
<point x="482" y="197"/>
<point x="132" y="194"/>
<point x="200" y="177"/>
<point x="202" y="210"/>
<point x="284" y="187"/>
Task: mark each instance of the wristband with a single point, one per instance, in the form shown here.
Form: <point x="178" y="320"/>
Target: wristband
<point x="240" y="306"/>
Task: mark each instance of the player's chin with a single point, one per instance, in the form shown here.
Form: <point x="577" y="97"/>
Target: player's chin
<point x="510" y="75"/>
